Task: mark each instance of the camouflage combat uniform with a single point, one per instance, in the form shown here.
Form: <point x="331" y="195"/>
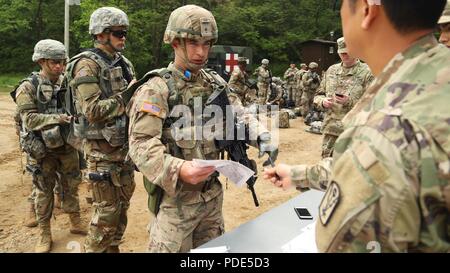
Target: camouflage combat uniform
<point x="291" y="86"/>
<point x="188" y="215"/>
<point x="60" y="160"/>
<point x="299" y="86"/>
<point x="102" y="110"/>
<point x="237" y="82"/>
<point x="389" y="179"/>
<point x="310" y="82"/>
<point x="264" y="76"/>
<point x="338" y="79"/>
<point x="277" y="86"/>
<point x="111" y="197"/>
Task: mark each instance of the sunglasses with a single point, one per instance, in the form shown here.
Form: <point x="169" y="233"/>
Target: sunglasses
<point x="119" y="33"/>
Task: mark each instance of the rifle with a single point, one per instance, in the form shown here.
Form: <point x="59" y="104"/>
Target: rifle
<point x="236" y="149"/>
<point x="251" y="83"/>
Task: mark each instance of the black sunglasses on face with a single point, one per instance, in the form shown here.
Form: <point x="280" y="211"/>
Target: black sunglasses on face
<point x="119" y="33"/>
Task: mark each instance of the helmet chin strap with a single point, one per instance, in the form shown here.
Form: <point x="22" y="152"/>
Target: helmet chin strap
<point x="108" y="43"/>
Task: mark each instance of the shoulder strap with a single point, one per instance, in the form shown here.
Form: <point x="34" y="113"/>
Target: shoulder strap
<point x="104" y="70"/>
<point x="33" y="78"/>
<point x="164" y="74"/>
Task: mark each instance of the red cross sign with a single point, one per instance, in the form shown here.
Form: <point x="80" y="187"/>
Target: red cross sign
<point x="231" y="62"/>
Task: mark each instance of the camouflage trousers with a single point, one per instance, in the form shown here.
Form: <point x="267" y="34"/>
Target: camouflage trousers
<point x="28" y="177"/>
<point x="306" y="103"/>
<point x="328" y="145"/>
<point x="180" y="229"/>
<point x="62" y="166"/>
<point x="263" y="92"/>
<point x="291" y="89"/>
<point x="111" y="200"/>
<point x="298" y="97"/>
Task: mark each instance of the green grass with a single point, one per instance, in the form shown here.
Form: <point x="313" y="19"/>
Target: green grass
<point x="8" y="81"/>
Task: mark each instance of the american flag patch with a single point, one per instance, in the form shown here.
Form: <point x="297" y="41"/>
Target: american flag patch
<point x="151" y="108"/>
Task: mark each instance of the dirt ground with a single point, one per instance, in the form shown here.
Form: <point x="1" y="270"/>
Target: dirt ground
<point x="296" y="146"/>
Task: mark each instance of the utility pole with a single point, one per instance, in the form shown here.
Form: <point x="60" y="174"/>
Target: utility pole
<point x="67" y="4"/>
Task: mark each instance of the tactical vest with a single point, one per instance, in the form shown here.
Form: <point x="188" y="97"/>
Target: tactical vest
<point x="190" y="149"/>
<point x="49" y="101"/>
<point x="315" y="83"/>
<point x="184" y="149"/>
<point x="114" y="78"/>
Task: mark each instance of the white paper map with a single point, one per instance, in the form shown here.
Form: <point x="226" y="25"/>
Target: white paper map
<point x="236" y="172"/>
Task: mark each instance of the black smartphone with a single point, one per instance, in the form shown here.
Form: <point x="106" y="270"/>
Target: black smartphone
<point x="303" y="213"/>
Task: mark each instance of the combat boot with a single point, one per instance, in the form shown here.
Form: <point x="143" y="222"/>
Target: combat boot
<point x="44" y="243"/>
<point x="76" y="225"/>
<point x="31" y="219"/>
<point x="113" y="249"/>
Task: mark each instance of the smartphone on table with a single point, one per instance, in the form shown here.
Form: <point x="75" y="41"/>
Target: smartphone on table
<point x="303" y="213"/>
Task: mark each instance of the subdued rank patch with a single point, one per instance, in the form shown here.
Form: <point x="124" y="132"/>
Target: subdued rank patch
<point x="329" y="203"/>
<point x="151" y="108"/>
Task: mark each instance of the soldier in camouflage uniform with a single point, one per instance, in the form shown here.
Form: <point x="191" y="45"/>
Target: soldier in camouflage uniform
<point x="239" y="83"/>
<point x="299" y="85"/>
<point x="264" y="76"/>
<point x="388" y="183"/>
<point x="444" y="26"/>
<point x="276" y="98"/>
<point x="39" y="104"/>
<point x="189" y="212"/>
<point x="291" y="87"/>
<point x="310" y="82"/>
<point x="341" y="88"/>
<point x="98" y="77"/>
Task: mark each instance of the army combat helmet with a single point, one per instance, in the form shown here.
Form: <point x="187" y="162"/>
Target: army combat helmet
<point x="49" y="49"/>
<point x="313" y="65"/>
<point x="191" y="22"/>
<point x="105" y="18"/>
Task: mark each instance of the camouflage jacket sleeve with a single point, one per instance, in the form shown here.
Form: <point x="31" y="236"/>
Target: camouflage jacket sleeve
<point x="306" y="79"/>
<point x="367" y="79"/>
<point x="256" y="73"/>
<point x="147" y="111"/>
<point x="263" y="73"/>
<point x="323" y="91"/>
<point x="235" y="77"/>
<point x="289" y="74"/>
<point x="305" y="177"/>
<point x="27" y="106"/>
<point x="375" y="201"/>
<point x="92" y="106"/>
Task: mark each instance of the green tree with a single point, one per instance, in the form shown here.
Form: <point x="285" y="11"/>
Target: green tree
<point x="274" y="29"/>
